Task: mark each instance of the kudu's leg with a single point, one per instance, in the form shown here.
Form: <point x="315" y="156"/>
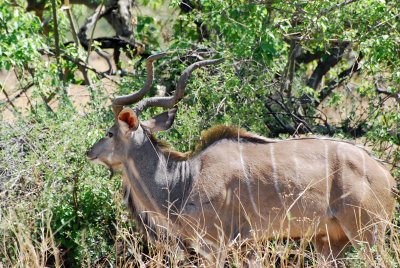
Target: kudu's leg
<point x="330" y="250"/>
<point x="211" y="257"/>
<point x="250" y="259"/>
<point x="364" y="231"/>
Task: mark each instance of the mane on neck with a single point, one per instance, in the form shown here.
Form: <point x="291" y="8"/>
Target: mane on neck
<point x="167" y="149"/>
<point x="222" y="132"/>
<point x="208" y="138"/>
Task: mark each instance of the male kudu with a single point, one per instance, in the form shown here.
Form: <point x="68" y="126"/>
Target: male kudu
<point x="238" y="184"/>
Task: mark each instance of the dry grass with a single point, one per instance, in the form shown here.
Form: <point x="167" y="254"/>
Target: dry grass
<point x="28" y="241"/>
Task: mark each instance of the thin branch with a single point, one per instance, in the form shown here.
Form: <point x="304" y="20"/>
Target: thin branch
<point x="292" y="68"/>
<point x="22" y="91"/>
<point x="67" y="9"/>
<point x="56" y="39"/>
<point x="295" y="118"/>
<point x="389" y="94"/>
<point x="116" y="43"/>
<point x="337" y="6"/>
<point x="276" y="117"/>
<point x="83" y="70"/>
<point x="377" y="26"/>
<point x="99" y="14"/>
<point x="284" y="79"/>
<point x="8" y="99"/>
<point x="191" y="54"/>
<point x="348" y="73"/>
<point x="80" y="63"/>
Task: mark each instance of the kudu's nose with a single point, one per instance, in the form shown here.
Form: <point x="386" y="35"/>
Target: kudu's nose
<point x="88" y="153"/>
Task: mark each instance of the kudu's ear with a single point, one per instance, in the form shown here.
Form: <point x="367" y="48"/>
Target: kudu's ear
<point x="162" y="121"/>
<point x="127" y="121"/>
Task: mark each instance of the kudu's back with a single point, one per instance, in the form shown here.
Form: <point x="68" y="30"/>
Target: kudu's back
<point x="330" y="190"/>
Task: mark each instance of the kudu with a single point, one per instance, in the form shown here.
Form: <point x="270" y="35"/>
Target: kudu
<point x="241" y="185"/>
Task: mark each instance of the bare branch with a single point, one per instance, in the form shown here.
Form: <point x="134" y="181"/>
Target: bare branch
<point x="389" y="94"/>
<point x="8" y="98"/>
<point x="287" y="79"/>
<point x="287" y="129"/>
<point x="22" y="91"/>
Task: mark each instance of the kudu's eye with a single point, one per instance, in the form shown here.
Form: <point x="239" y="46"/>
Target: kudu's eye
<point x="109" y="134"/>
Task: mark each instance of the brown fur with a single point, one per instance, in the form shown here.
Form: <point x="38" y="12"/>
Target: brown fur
<point x="329" y="191"/>
<point x="221" y="132"/>
<point x="208" y="138"/>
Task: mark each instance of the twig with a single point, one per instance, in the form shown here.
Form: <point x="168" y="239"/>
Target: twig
<point x="346" y="74"/>
<point x="67" y="9"/>
<point x="22" y="91"/>
<point x="290" y="68"/>
<point x="396" y="96"/>
<point x="295" y="117"/>
<point x="377" y="26"/>
<point x="8" y="99"/>
<point x="80" y="63"/>
<point x="324" y="12"/>
<point x="75" y="198"/>
<point x="275" y="116"/>
<point x="104" y="56"/>
<point x="183" y="58"/>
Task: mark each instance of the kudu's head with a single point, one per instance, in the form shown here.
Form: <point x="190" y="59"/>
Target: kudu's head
<point x="129" y="133"/>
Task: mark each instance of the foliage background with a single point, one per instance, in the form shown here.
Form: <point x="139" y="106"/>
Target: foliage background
<point x="292" y="67"/>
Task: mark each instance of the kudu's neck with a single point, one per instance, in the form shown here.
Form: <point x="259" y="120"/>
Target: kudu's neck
<point x="157" y="180"/>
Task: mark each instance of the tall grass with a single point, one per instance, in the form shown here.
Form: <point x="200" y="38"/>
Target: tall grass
<point x="57" y="210"/>
<point x="26" y="245"/>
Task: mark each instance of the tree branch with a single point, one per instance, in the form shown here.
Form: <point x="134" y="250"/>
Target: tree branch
<point x="389" y="94"/>
<point x="325" y="64"/>
<point x="67" y="8"/>
<point x="80" y="63"/>
<point x="326" y="91"/>
<point x="56" y="38"/>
